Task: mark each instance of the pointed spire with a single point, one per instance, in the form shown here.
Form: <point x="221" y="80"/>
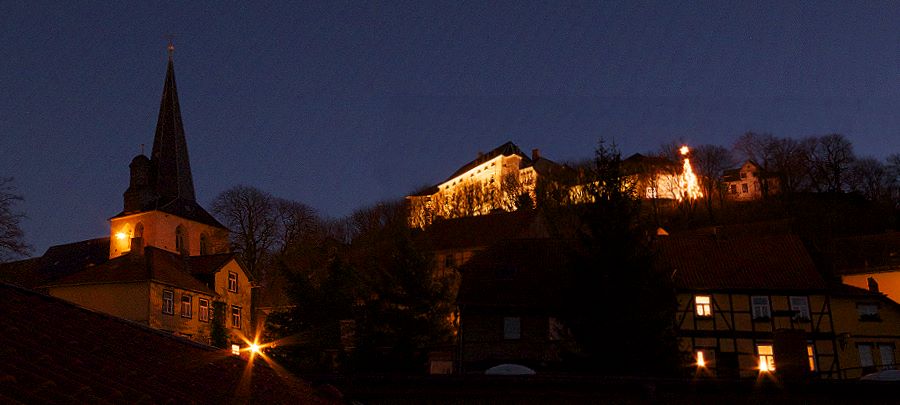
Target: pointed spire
<point x="170" y="154"/>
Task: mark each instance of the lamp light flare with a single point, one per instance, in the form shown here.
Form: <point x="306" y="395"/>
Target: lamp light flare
<point x="763" y="365"/>
<point x="684" y="150"/>
<point x="701" y="362"/>
<point x="121" y="235"/>
<point x="254" y="348"/>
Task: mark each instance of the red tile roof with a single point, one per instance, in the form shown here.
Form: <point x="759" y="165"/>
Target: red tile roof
<point x="56" y="352"/>
<point x="775" y="262"/>
<point x="155" y="264"/>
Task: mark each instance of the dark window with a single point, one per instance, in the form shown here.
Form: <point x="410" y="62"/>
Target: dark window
<point x="761" y="309"/>
<point x="235" y="317"/>
<point x="186" y="306"/>
<point x="512" y="327"/>
<point x="181" y="239"/>
<point x="204" y="244"/>
<point x="204" y="310"/>
<point x="232" y="282"/>
<point x="168" y="302"/>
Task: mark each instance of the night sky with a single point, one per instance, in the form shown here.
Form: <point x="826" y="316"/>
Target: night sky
<point x="343" y="104"/>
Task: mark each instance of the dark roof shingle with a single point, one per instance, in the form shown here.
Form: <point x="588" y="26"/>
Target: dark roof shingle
<point x="774" y="262"/>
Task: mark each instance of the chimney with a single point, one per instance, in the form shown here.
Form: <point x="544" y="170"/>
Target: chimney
<point x="873" y="285"/>
<point x="535" y="154"/>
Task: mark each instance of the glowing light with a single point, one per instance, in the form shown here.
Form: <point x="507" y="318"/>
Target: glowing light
<point x="701" y="362"/>
<point x="688" y="185"/>
<point x="254" y="348"/>
<point x="236" y="350"/>
<point x="763" y="365"/>
<point x="121" y="235"/>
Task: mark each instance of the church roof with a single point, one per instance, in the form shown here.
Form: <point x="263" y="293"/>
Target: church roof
<point x="170" y="154"/>
<point x="57" y="352"/>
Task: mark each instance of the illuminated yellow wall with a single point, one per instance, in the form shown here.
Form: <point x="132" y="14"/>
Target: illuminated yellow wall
<point x="242" y="298"/>
<point x="176" y="322"/>
<point x="731" y="328"/>
<point x="159" y="231"/>
<point x="888" y="282"/>
<point x="851" y="331"/>
<point x="125" y="300"/>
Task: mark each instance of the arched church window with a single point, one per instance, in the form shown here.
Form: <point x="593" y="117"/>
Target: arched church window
<point x="204" y="244"/>
<point x="181" y="239"/>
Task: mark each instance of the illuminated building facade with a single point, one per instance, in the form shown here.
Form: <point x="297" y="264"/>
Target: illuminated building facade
<point x="169" y="264"/>
<point x="502" y="179"/>
<point x="749" y="182"/>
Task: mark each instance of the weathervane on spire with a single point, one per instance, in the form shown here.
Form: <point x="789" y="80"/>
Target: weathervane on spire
<point x="171" y="46"/>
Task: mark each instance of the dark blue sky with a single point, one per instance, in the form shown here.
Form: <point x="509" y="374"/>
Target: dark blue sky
<point x="342" y="104"/>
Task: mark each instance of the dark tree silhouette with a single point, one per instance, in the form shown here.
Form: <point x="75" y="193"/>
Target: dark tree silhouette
<point x="12" y="239"/>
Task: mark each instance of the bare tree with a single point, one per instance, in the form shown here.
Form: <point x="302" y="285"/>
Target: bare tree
<point x="830" y="162"/>
<point x="12" y="239"/>
<point x="871" y="178"/>
<point x="790" y="163"/>
<point x="710" y="161"/>
<point x="252" y="217"/>
<point x="297" y="223"/>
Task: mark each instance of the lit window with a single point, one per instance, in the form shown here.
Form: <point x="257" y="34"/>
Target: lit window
<point x="761" y="309"/>
<point x="204" y="310"/>
<point x="868" y="312"/>
<point x="168" y="302"/>
<point x="704" y="305"/>
<point x="811" y="354"/>
<point x="232" y="282"/>
<point x="235" y="317"/>
<point x="887" y="356"/>
<point x="235" y="350"/>
<point x="800" y="307"/>
<point x="706" y="357"/>
<point x="766" y="358"/>
<point x="512" y="327"/>
<point x="186" y="303"/>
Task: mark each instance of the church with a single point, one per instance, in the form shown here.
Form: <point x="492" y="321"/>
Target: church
<point x="168" y="263"/>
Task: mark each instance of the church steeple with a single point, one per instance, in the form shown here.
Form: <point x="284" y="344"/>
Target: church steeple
<point x="170" y="155"/>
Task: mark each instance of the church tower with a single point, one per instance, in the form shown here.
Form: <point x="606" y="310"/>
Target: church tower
<point x="160" y="208"/>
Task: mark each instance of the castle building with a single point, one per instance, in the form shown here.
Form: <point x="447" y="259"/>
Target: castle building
<point x="503" y="179"/>
<point x="169" y="264"/>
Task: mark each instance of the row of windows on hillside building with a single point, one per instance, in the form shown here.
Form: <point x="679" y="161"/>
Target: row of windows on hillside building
<point x="706" y="357"/>
<point x="205" y="313"/>
<point x="762" y="308"/>
<point x="760" y="304"/>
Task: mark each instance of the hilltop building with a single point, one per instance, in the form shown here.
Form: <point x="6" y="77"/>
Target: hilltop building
<point x="166" y="263"/>
<point x="502" y="179"/>
<point x="749" y="182"/>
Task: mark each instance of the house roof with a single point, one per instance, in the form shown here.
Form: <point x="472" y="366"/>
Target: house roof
<point x="153" y="265"/>
<point x="482" y="230"/>
<point x="730" y="175"/>
<point x="507" y="149"/>
<point x="179" y="207"/>
<point x="57" y="352"/>
<point x="524" y="273"/>
<point x="57" y="262"/>
<point x="772" y="262"/>
<point x="866" y="253"/>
